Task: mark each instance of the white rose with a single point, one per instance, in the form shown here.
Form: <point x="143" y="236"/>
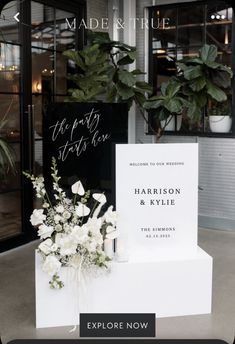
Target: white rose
<point x="37" y="217"/>
<point x="111" y="216"/>
<point x="98" y="239"/>
<point x="67" y="244"/>
<point x="80" y="234"/>
<point x="91" y="246"/>
<point x="60" y="209"/>
<point x="82" y="210"/>
<point x="45" y="231"/>
<point x="45" y="246"/>
<point x="94" y="225"/>
<point x="51" y="265"/>
<point x="77" y="188"/>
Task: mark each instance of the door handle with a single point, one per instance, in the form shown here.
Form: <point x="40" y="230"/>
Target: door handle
<point x="30" y="114"/>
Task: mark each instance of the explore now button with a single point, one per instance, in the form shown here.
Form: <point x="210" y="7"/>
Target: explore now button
<point x="117" y="325"/>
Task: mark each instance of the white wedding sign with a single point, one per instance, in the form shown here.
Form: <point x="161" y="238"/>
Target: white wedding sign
<point x="157" y="200"/>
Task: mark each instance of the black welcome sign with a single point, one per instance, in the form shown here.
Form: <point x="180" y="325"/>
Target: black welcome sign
<point x="81" y="137"/>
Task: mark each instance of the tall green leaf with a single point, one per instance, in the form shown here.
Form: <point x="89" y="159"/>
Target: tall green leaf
<point x="208" y="52"/>
<point x="215" y="92"/>
<point x="126" y="77"/>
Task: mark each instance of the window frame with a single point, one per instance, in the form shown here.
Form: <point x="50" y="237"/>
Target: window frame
<point x="151" y="67"/>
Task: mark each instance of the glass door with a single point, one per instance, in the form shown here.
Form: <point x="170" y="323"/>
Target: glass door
<point x="33" y="73"/>
<point x="10" y="95"/>
<point x="50" y="36"/>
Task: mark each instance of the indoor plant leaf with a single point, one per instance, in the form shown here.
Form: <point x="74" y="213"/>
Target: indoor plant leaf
<point x="153" y="104"/>
<point x="126" y="77"/>
<point x="221" y="78"/>
<point x="124" y="91"/>
<point x="144" y="86"/>
<point x="173" y="106"/>
<point x="208" y="53"/>
<point x="125" y="60"/>
<point x="192" y="72"/>
<point x="198" y="84"/>
<point x="215" y="92"/>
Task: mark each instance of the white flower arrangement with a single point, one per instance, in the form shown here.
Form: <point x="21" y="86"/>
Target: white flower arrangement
<point x="72" y="233"/>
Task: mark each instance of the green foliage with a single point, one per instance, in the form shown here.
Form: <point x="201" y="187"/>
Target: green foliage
<point x="199" y="81"/>
<point x="203" y="80"/>
<point x="103" y="72"/>
<point x="169" y="102"/>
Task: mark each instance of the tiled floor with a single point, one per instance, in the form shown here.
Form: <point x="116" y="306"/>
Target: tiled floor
<point x="10" y="214"/>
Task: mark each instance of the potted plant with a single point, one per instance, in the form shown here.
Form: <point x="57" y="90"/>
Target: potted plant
<point x="199" y="82"/>
<point x="204" y="81"/>
<point x="168" y="107"/>
<point x="220" y="117"/>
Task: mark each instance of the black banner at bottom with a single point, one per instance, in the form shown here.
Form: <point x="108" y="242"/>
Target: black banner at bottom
<point x="117" y="341"/>
<point x="117" y="325"/>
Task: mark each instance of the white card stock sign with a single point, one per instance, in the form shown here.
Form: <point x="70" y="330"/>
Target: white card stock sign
<point x="157" y="200"/>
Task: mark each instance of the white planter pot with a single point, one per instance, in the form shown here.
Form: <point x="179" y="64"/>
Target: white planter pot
<point x="220" y="124"/>
<point x="171" y="124"/>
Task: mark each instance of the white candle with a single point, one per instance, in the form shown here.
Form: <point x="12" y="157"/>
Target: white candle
<point x="108" y="247"/>
<point x="121" y="250"/>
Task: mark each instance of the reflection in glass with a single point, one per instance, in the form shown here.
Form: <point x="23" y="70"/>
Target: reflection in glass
<point x="10" y="115"/>
<point x="9" y="27"/>
<point x="183" y="53"/>
<point x="42" y="71"/>
<point x="10" y="214"/>
<point x="164" y="36"/>
<point x="191" y="36"/>
<point x="9" y="67"/>
<point x="42" y="21"/>
<point x="219" y="31"/>
<point x="65" y="30"/>
<point x="12" y="180"/>
<point x="61" y="74"/>
<point x="189" y="16"/>
<point x="38" y="110"/>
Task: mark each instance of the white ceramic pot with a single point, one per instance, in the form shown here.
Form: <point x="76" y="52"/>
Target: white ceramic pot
<point x="220" y="124"/>
<point x="171" y="124"/>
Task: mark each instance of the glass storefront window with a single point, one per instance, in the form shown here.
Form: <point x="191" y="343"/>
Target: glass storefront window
<point x="9" y="27"/>
<point x="187" y="31"/>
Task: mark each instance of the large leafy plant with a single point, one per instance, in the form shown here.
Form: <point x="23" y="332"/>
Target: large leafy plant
<point x="203" y="80"/>
<point x="169" y="103"/>
<point x="199" y="81"/>
<point x="103" y="72"/>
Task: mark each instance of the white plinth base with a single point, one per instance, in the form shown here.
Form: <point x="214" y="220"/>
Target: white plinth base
<point x="167" y="288"/>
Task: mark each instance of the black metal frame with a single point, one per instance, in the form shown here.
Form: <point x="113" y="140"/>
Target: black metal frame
<point x="79" y="8"/>
<point x="150" y="68"/>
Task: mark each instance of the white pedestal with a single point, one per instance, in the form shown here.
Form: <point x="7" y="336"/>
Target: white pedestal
<point x="167" y="288"/>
